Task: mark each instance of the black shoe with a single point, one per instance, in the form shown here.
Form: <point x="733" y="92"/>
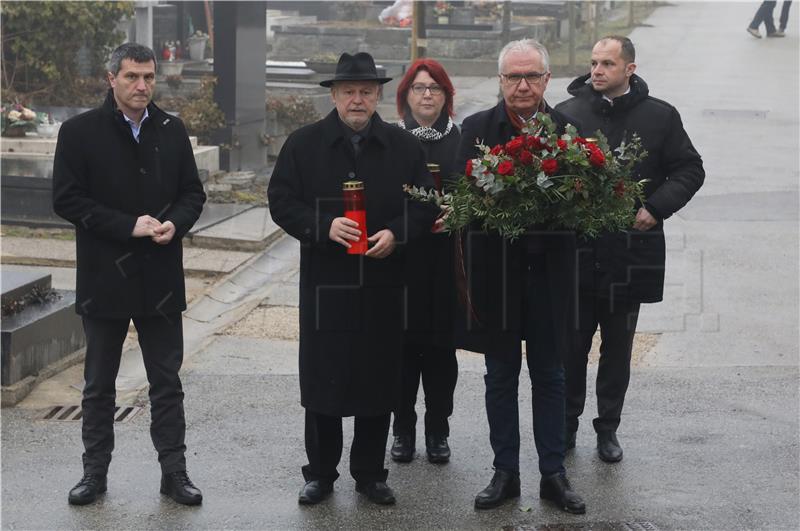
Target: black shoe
<point x="504" y="486"/>
<point x="437" y="449"/>
<point x="315" y="491"/>
<point x="403" y="448"/>
<point x="570" y="439"/>
<point x="608" y="447"/>
<point x="180" y="488"/>
<point x="556" y="488"/>
<point x="88" y="489"/>
<point x="377" y="492"/>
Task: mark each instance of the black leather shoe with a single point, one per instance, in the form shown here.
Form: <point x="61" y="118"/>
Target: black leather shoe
<point x="403" y="448"/>
<point x="504" y="486"/>
<point x="556" y="488"/>
<point x="377" y="492"/>
<point x="88" y="489"/>
<point x="180" y="488"/>
<point x="569" y="440"/>
<point x="314" y="491"/>
<point x="608" y="447"/>
<point x="437" y="449"/>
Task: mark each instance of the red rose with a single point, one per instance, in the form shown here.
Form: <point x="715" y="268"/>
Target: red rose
<point x="469" y="167"/>
<point x="597" y="158"/>
<point x="578" y="185"/>
<point x="562" y="145"/>
<point x="550" y="166"/>
<point x="514" y="145"/>
<point x="525" y="157"/>
<point x="535" y="143"/>
<point x="619" y="188"/>
<point x="497" y="149"/>
<point x="505" y="168"/>
<point x="579" y="140"/>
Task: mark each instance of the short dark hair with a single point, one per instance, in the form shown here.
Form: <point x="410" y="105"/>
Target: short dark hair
<point x="628" y="52"/>
<point x="130" y="50"/>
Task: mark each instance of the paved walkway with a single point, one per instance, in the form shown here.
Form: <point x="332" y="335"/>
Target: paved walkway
<point x="711" y="422"/>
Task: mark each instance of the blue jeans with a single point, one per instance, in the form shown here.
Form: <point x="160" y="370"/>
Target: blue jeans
<point x="764" y="14"/>
<point x="547" y="377"/>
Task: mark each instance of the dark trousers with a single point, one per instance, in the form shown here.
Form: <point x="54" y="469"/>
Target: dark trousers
<point x="785" y="14"/>
<point x="324" y="447"/>
<point x="617" y="324"/>
<point x="161" y="341"/>
<point x="438" y="368"/>
<point x="764" y="14"/>
<point x="547" y="378"/>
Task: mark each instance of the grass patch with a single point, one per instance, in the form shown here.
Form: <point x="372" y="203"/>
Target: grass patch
<point x="19" y="231"/>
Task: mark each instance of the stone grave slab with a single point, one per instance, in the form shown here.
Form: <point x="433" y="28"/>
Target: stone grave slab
<point x="214" y="213"/>
<point x="17" y="284"/>
<point x="252" y="230"/>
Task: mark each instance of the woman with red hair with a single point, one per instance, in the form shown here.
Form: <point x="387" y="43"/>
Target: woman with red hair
<point x="425" y="105"/>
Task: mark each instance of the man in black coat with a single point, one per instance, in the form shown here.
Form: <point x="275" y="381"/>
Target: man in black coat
<point x="520" y="290"/>
<point x="621" y="270"/>
<point x="125" y="176"/>
<point x="351" y="305"/>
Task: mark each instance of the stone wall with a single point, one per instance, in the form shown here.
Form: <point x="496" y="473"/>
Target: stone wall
<point x="298" y="42"/>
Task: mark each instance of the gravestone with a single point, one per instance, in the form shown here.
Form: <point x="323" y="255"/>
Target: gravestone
<point x="45" y="331"/>
<point x="239" y="50"/>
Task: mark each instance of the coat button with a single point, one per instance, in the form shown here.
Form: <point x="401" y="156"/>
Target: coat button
<point x="142" y="171"/>
<point x="351" y="175"/>
<point x="597" y="265"/>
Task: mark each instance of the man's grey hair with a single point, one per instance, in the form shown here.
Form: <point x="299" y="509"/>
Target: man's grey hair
<point x="130" y="50"/>
<point x="523" y="45"/>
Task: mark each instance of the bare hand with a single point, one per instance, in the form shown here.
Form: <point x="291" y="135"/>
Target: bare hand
<point x="438" y="225"/>
<point x="164" y="233"/>
<point x="344" y="230"/>
<point x="145" y="227"/>
<point x="644" y="221"/>
<point x="384" y="244"/>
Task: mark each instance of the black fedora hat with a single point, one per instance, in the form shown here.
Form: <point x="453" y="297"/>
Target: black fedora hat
<point x="358" y="67"/>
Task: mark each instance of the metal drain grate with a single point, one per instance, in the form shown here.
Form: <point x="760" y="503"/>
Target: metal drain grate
<point x="70" y="413"/>
<point x="588" y="526"/>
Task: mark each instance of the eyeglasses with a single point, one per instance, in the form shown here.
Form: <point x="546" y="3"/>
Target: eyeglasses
<point x="532" y="78"/>
<point x="420" y="89"/>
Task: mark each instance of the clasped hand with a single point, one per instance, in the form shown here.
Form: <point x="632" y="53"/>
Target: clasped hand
<point x="344" y="230"/>
<point x="149" y="227"/>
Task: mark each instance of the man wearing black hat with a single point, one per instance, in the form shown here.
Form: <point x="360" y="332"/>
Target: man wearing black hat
<point x="351" y="305"/>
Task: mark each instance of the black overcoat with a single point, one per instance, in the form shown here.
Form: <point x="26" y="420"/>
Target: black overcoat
<point x="103" y="180"/>
<point x="630" y="265"/>
<point x="430" y="271"/>
<point x="351" y="306"/>
<point x="496" y="269"/>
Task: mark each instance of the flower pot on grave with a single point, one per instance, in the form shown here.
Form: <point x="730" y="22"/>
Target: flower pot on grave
<point x="14" y="132"/>
<point x="171" y="68"/>
<point x="197" y="48"/>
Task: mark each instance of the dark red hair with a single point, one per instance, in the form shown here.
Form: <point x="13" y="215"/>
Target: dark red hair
<point x="436" y="71"/>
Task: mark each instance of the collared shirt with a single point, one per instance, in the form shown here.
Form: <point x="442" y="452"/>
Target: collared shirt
<point x="542" y="107"/>
<point x="349" y="133"/>
<point x="135" y="128"/>
<point x="611" y="101"/>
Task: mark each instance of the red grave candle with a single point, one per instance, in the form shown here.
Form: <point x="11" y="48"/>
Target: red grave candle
<point x="354" y="208"/>
<point x="437" y="175"/>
